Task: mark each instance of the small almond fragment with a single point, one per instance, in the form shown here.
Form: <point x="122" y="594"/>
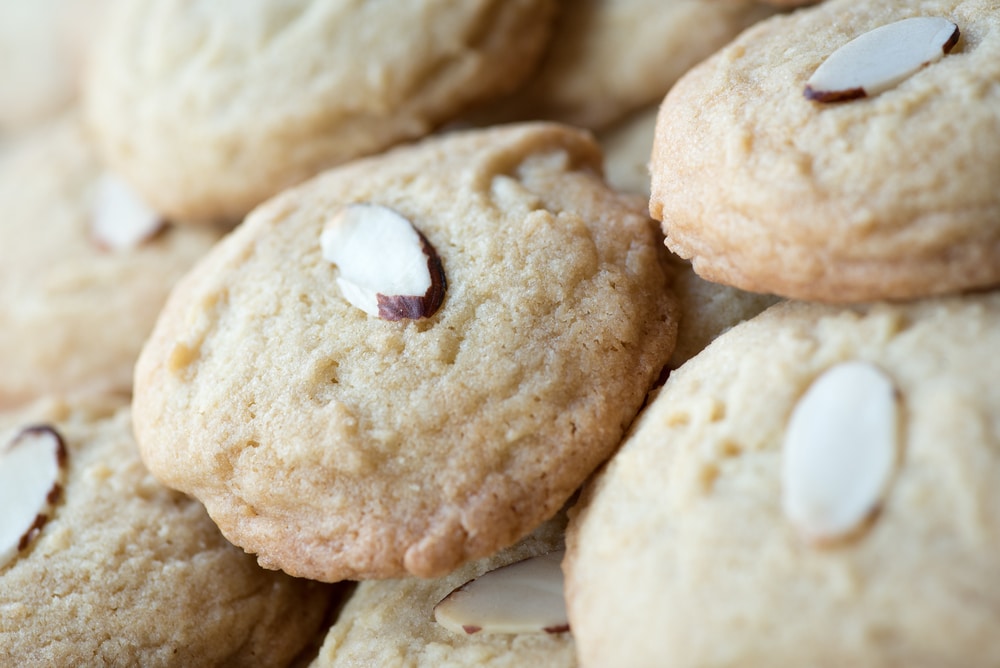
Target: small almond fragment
<point x="31" y="471"/>
<point x="881" y="58"/>
<point x="120" y="220"/>
<point x="524" y="597"/>
<point x="840" y="451"/>
<point x="388" y="269"/>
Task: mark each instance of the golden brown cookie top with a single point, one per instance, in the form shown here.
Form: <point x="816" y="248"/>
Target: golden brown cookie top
<point x="337" y="444"/>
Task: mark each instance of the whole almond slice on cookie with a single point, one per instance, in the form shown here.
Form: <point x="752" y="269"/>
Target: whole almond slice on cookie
<point x="840" y="451"/>
<point x="387" y="268"/>
<point x="524" y="597"/>
<point x="120" y="220"/>
<point x="881" y="58"/>
<point x="31" y="471"/>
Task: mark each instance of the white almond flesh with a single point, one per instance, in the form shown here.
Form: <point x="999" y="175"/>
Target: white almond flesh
<point x="387" y="268"/>
<point x="31" y="469"/>
<point x="524" y="597"/>
<point x="881" y="58"/>
<point x="120" y="219"/>
<point x="840" y="451"/>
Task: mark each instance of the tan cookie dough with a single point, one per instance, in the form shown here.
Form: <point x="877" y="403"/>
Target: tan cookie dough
<point x="338" y="445"/>
<point x="889" y="196"/>
<point x="682" y="547"/>
<point x="208" y="119"/>
<point x="74" y="312"/>
<point x="608" y="58"/>
<point x="390" y="623"/>
<point x="129" y="573"/>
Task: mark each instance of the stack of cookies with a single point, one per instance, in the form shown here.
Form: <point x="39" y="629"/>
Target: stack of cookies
<point x="501" y="333"/>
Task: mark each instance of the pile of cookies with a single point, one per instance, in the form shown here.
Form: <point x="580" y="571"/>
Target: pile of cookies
<point x="626" y="333"/>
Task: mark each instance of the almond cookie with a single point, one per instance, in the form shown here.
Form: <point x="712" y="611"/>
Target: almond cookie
<point x="208" y="121"/>
<point x="816" y="488"/>
<point x="410" y="361"/>
<point x="118" y="570"/>
<point x="770" y="179"/>
<point x="84" y="267"/>
<point x="608" y="58"/>
<point x="393" y="623"/>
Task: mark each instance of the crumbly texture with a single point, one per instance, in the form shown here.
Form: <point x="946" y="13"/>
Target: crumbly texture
<point x="891" y="196"/>
<point x="208" y="121"/>
<point x="707" y="310"/>
<point x="607" y="59"/>
<point x="74" y="314"/>
<point x="681" y="548"/>
<point x="627" y="146"/>
<point x="129" y="573"/>
<point x="341" y="446"/>
<point x="390" y="623"/>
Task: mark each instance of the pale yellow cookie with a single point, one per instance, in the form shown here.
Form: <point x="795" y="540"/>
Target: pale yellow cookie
<point x="892" y="195"/>
<point x="337" y="444"/>
<point x="391" y="623"/>
<point x="77" y="299"/>
<point x="211" y="107"/>
<point x="816" y="488"/>
<point x="125" y="572"/>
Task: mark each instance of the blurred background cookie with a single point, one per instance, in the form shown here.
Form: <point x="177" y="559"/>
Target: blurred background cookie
<point x="125" y="571"/>
<point x="43" y="47"/>
<point x="209" y="108"/>
<point x="337" y="437"/>
<point x="84" y="267"/>
<point x="766" y="187"/>
<point x="608" y="58"/>
<point x="815" y="488"/>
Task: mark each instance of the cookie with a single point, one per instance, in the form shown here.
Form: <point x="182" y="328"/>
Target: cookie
<point x="127" y="572"/>
<point x="392" y="622"/>
<point x="208" y="121"/>
<point x="340" y="441"/>
<point x="815" y="488"/>
<point x="607" y="59"/>
<point x="42" y="47"/>
<point x="885" y="196"/>
<point x="83" y="269"/>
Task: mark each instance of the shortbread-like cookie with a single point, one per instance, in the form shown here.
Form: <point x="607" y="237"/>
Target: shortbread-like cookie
<point x="84" y="270"/>
<point x="891" y="195"/>
<point x="816" y="488"/>
<point x="391" y="623"/>
<point x="211" y="107"/>
<point x="608" y="58"/>
<point x="341" y="445"/>
<point x="126" y="572"/>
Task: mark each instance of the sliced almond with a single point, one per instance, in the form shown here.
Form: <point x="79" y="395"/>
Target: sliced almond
<point x="524" y="597"/>
<point x="120" y="220"/>
<point x="31" y="471"/>
<point x="840" y="451"/>
<point x="881" y="58"/>
<point x="387" y="268"/>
